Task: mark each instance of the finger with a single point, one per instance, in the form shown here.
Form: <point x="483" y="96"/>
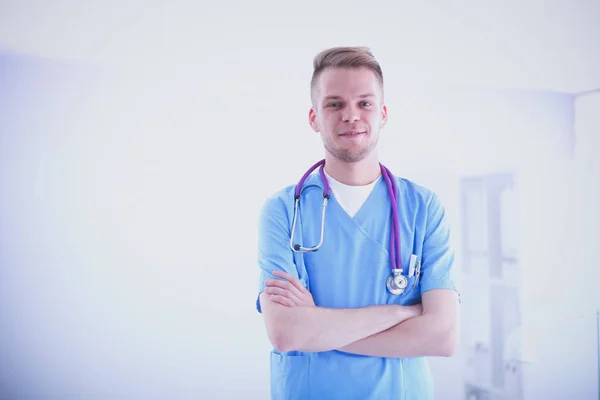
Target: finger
<point x="284" y="293"/>
<point x="284" y="301"/>
<point x="292" y="279"/>
<point x="283" y="285"/>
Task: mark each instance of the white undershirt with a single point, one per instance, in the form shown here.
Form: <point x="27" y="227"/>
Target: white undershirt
<point x="351" y="198"/>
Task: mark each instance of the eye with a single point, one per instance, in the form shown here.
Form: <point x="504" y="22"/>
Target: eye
<point x="365" y="103"/>
<point x="334" y="105"/>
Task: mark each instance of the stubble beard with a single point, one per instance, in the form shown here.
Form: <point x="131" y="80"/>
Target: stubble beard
<point x="350" y="155"/>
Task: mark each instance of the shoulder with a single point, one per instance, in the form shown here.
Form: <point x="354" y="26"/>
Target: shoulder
<point x="279" y="205"/>
<point x="283" y="198"/>
<point x="426" y="208"/>
<point x="416" y="194"/>
<point x="422" y="205"/>
<point x="280" y="197"/>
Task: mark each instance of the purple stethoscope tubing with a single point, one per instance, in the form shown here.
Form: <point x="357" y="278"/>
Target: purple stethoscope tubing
<point x="390" y="181"/>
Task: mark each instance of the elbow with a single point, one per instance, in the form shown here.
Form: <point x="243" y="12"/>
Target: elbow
<point x="282" y="340"/>
<point x="289" y="337"/>
<point x="447" y="349"/>
<point x="284" y="327"/>
<point x="283" y="334"/>
<point x="448" y="343"/>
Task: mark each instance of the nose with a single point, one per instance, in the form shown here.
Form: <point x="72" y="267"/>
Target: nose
<point x="350" y="114"/>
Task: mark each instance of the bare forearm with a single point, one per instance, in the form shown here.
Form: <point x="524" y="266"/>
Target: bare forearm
<point x="425" y="335"/>
<point x="313" y="329"/>
<point x="323" y="329"/>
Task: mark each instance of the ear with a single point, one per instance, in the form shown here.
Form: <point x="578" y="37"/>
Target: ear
<point x="312" y="120"/>
<point x="383" y="117"/>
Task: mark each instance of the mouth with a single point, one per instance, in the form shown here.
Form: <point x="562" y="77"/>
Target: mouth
<point x="352" y="133"/>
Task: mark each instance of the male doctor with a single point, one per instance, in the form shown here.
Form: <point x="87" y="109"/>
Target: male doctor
<point x="337" y="330"/>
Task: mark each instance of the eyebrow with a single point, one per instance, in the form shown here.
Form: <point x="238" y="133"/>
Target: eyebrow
<point x="362" y="96"/>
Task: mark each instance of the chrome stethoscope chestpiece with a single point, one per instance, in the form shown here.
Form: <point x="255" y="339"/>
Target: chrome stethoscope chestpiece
<point x="396" y="283"/>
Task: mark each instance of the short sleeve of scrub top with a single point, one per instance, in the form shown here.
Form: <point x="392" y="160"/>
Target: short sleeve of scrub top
<point x="274" y="252"/>
<point x="438" y="253"/>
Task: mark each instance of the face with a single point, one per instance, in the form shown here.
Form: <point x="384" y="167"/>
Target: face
<point x="348" y="112"/>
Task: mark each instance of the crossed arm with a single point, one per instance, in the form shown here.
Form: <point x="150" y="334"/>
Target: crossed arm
<point x="293" y="322"/>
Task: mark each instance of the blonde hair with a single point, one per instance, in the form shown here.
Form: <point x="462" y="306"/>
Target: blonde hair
<point x="345" y="57"/>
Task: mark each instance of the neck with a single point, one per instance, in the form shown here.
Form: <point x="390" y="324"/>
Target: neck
<point x="358" y="173"/>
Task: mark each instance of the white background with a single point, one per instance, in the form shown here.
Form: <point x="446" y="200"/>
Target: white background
<point x="139" y="140"/>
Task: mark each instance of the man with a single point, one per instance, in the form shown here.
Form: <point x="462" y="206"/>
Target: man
<point x="338" y="332"/>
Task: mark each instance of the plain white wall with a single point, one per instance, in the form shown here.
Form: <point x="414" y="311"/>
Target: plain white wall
<point x="132" y="173"/>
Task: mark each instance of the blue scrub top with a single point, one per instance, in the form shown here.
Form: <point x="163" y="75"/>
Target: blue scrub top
<point x="348" y="271"/>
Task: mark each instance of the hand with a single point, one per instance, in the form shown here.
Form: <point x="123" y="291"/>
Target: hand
<point x="289" y="292"/>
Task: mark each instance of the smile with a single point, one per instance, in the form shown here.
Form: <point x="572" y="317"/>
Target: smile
<point x="352" y="133"/>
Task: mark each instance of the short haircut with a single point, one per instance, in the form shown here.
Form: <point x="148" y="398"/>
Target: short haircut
<point x="345" y="57"/>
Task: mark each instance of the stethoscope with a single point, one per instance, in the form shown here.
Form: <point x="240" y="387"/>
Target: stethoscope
<point x="396" y="282"/>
